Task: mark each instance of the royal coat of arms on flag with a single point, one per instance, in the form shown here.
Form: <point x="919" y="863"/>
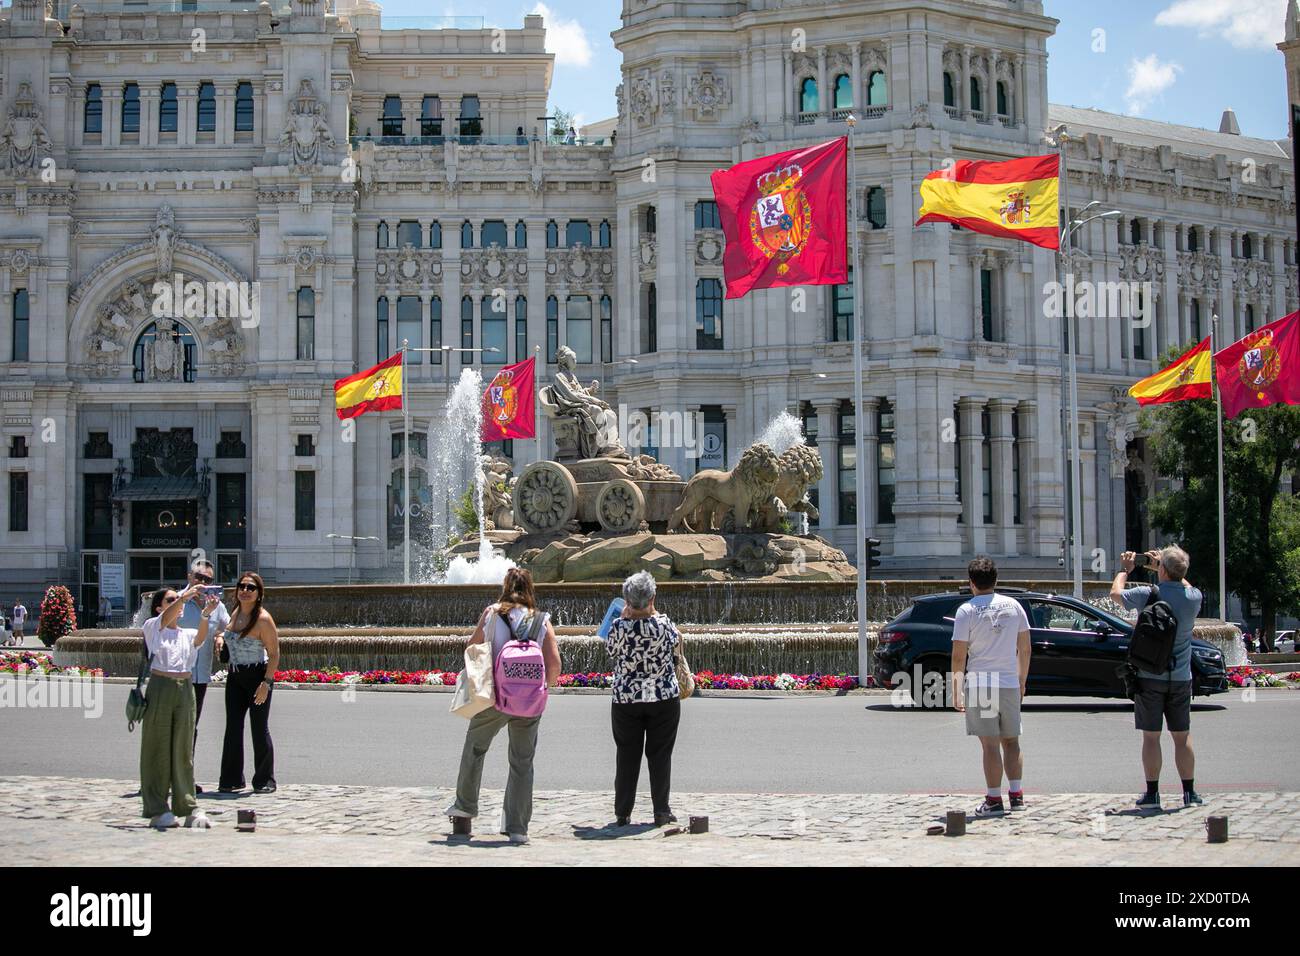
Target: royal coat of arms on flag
<point x="781" y="220"/>
<point x="508" y="403"/>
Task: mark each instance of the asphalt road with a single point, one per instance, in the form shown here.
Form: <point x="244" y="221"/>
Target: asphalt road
<point x="788" y="745"/>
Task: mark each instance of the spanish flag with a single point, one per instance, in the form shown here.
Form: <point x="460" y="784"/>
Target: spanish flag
<point x="1014" y="200"/>
<point x="1189" y="377"/>
<point x="376" y="389"/>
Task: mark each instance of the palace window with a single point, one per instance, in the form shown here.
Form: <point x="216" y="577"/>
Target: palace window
<point x="604" y="235"/>
<point x="976" y="96"/>
<point x="410" y="327"/>
<point x="877" y="89"/>
<point x="381" y="235"/>
<point x="409" y="230"/>
<point x="232" y="510"/>
<point x="17" y="501"/>
<point x="957" y="468"/>
<point x="382" y="349"/>
<point x="1139" y="332"/>
<point x="885" y="465"/>
<point x="207" y="115"/>
<point x="606" y="329"/>
<point x="435" y="235"/>
<point x="986" y="304"/>
<point x="949" y="91"/>
<point x="467" y="235"/>
<point x="466" y="330"/>
<point x="877" y="213"/>
<point x="808" y="96"/>
<point x="842" y="310"/>
<point x="577" y="327"/>
<point x="22" y="326"/>
<point x="651" y="220"/>
<point x="706" y="215"/>
<point x="521" y="328"/>
<point x="577" y="232"/>
<point x="244" y="107"/>
<point x="431" y="116"/>
<point x="1196" y="320"/>
<point x="494" y="329"/>
<point x="390" y="121"/>
<point x="843" y="92"/>
<point x="304" y="501"/>
<point x="552" y="235"/>
<point x="435" y="330"/>
<point x="1250" y="318"/>
<point x="306" y="324"/>
<point x="846" y="464"/>
<point x="1193" y="239"/>
<point x="178" y="348"/>
<point x="471" y="121"/>
<point x="493" y="231"/>
<point x="97" y="512"/>
<point x="1247" y="246"/>
<point x="1004" y="108"/>
<point x="986" y="468"/>
<point x="305" y="447"/>
<point x="708" y="314"/>
<point x="131" y="108"/>
<point x="18" y="447"/>
<point x="98" y="446"/>
<point x="552" y="328"/>
<point x="93" y="115"/>
<point x="231" y="445"/>
<point x="521" y="235"/>
<point x="167" y="109"/>
<point x="1015" y="467"/>
<point x="651" y="318"/>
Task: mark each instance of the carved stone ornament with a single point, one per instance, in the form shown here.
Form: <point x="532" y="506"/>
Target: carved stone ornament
<point x="20" y="260"/>
<point x="306" y="258"/>
<point x="24" y="136"/>
<point x="581" y="267"/>
<point x="620" y="100"/>
<point x="708" y="93"/>
<point x="1119" y="433"/>
<point x="1252" y="277"/>
<point x="708" y="247"/>
<point x="920" y="117"/>
<point x="667" y="93"/>
<point x="305" y="131"/>
<point x="164" y="239"/>
<point x="493" y="266"/>
<point x="753" y="132"/>
<point x="643" y="99"/>
<point x="648" y="254"/>
<point x="1198" y="273"/>
<point x="1141" y="263"/>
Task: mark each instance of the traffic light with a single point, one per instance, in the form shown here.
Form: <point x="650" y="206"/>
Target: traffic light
<point x="872" y="555"/>
<point x="1060" y="561"/>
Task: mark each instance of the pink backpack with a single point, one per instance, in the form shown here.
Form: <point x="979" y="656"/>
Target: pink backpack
<point x="519" y="674"/>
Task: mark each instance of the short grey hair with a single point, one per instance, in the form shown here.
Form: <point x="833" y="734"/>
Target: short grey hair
<point x="639" y="590"/>
<point x="1175" y="562"/>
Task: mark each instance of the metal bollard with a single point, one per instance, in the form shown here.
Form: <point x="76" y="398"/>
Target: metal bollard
<point x="956" y="825"/>
<point x="1216" y="829"/>
<point x="246" y="821"/>
<point x="699" y="824"/>
<point x="462" y="826"/>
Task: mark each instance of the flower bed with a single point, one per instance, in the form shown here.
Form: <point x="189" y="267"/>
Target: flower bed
<point x="27" y="662"/>
<point x="1258" y="677"/>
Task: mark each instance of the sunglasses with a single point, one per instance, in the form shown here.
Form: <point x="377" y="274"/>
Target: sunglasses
<point x="169" y="600"/>
<point x="201" y="577"/>
<point x="247" y="587"/>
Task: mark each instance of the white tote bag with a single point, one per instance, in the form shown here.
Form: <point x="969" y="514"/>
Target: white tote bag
<point x="474" y="688"/>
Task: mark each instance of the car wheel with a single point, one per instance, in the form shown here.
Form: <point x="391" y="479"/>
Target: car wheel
<point x="931" y="693"/>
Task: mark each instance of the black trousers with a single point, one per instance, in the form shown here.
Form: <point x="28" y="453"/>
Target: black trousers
<point x="200" y="691"/>
<point x="650" y="729"/>
<point x="241" y="685"/>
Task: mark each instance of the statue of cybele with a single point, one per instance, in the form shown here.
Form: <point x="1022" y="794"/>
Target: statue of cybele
<point x="585" y="426"/>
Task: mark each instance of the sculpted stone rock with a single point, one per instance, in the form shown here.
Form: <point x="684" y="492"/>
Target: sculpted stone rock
<point x="606" y="558"/>
<point x="658" y="562"/>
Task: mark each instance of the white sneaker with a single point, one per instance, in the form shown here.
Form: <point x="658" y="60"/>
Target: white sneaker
<point x="501" y="826"/>
<point x="197" y="821"/>
<point x="519" y="838"/>
<point x="165" y="821"/>
<point x="455" y="811"/>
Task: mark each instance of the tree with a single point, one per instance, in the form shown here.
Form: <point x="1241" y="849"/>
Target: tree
<point x="1262" y="523"/>
<point x="561" y="122"/>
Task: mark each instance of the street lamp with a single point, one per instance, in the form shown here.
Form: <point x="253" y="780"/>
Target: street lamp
<point x="1058" y="138"/>
<point x="354" y="538"/>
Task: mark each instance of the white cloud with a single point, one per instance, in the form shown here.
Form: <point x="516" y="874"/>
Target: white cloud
<point x="1243" y="23"/>
<point x="565" y="38"/>
<point x="1148" y="79"/>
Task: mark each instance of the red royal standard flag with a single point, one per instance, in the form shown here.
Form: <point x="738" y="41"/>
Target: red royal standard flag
<point x="1262" y="368"/>
<point x="508" y="407"/>
<point x="784" y="220"/>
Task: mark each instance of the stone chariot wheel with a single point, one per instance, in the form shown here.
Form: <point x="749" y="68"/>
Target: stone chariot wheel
<point x="620" y="506"/>
<point x="545" y="497"/>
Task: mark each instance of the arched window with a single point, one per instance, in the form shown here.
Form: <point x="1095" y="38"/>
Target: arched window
<point x="471" y="121"/>
<point x="466" y="329"/>
<point x="493" y="231"/>
<point x="93" y="118"/>
<point x="552" y="235"/>
<point x="493" y="312"/>
<point x="381" y="235"/>
<point x="521" y="328"/>
<point x="467" y="235"/>
<point x="521" y="235"/>
<point x="1247" y="247"/>
<point x="603" y="236"/>
<point x="577" y="232"/>
<point x="949" y="91"/>
<point x="1250" y="318"/>
<point x="167" y="110"/>
<point x="976" y="96"/>
<point x="552" y="328"/>
<point x="1135" y="231"/>
<point x="877" y="89"/>
<point x="808" y="96"/>
<point x="244" y="107"/>
<point x="390" y="121"/>
<point x="1003" y="106"/>
<point x="1196" y="320"/>
<point x="207" y="117"/>
<point x="877" y="213"/>
<point x="131" y="108"/>
<point x="1193" y="239"/>
<point x="435" y="235"/>
<point x="435" y="330"/>
<point x="843" y="92"/>
<point x="382" y="349"/>
<point x="306" y="324"/>
<point x="651" y="220"/>
<point x="177" y="353"/>
<point x="431" y="116"/>
<point x="409" y="230"/>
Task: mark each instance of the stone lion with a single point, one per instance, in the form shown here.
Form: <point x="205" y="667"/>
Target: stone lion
<point x="799" y="469"/>
<point x="713" y="494"/>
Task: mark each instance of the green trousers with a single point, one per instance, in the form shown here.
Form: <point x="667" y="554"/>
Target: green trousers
<point x="167" y="747"/>
<point x="519" y="784"/>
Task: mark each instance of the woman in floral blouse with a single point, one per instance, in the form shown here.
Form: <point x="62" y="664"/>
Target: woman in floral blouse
<point x="647" y="700"/>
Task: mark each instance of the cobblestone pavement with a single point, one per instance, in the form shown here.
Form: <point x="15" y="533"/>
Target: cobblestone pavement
<point x="66" y="821"/>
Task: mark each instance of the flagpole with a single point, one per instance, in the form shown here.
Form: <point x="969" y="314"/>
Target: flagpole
<point x="406" y="472"/>
<point x="537" y="426"/>
<point x="1218" y="423"/>
<point x="859" y="426"/>
<point x="1076" y="489"/>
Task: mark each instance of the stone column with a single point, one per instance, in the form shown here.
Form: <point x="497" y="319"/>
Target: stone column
<point x="1022" y="92"/>
<point x="972" y="488"/>
<point x="828" y="446"/>
<point x="186" y="114"/>
<point x="1228" y="328"/>
<point x="965" y="99"/>
<point x="977" y="297"/>
<point x="823" y="98"/>
<point x="225" y="134"/>
<point x="787" y="86"/>
<point x="149" y="97"/>
<point x="855" y="76"/>
<point x="112" y="101"/>
<point x="870" y="456"/>
<point x="1001" y="412"/>
<point x="1278" y="268"/>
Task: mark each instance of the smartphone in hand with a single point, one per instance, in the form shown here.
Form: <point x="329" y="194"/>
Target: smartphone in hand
<point x="212" y="590"/>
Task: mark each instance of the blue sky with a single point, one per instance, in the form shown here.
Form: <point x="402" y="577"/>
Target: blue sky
<point x="1183" y="61"/>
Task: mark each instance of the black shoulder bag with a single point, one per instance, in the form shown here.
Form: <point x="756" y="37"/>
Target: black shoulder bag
<point x="136" y="702"/>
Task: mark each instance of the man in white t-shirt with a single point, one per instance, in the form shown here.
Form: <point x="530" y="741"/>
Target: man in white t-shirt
<point x="990" y="665"/>
<point x="19" y="618"/>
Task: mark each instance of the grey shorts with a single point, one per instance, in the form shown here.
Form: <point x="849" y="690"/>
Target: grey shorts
<point x="993" y="713"/>
<point x="1163" y="700"/>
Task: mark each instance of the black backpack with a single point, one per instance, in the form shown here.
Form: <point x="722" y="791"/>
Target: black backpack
<point x="1152" y="645"/>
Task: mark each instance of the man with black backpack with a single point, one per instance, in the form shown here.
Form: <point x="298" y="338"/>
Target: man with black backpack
<point x="1161" y="651"/>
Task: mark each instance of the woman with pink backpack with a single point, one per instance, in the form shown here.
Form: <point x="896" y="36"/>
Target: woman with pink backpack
<point x="526" y="660"/>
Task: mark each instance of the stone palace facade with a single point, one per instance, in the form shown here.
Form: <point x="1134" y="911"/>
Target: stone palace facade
<point x="378" y="182"/>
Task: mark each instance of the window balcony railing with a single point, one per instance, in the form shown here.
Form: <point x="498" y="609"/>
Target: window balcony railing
<point x="807" y="119"/>
<point x="874" y="112"/>
<point x="512" y="139"/>
<point x="63" y="8"/>
<point x="1006" y="121"/>
<point x="954" y="112"/>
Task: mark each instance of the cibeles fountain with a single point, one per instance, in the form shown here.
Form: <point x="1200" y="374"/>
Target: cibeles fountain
<point x="597" y="512"/>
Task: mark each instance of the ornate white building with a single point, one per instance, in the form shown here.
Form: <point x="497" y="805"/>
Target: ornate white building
<point x="373" y="184"/>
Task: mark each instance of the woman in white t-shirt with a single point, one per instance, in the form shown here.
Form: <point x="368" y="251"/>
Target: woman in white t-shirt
<point x="166" y="741"/>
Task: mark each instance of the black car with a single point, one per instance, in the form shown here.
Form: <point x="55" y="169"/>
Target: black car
<point x="1076" y="648"/>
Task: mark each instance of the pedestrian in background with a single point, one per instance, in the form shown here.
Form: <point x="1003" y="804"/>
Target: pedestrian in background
<point x="646" y="707"/>
<point x="201" y="574"/>
<point x="167" y="735"/>
<point x="514" y="617"/>
<point x="990" y="670"/>
<point x="1164" y="699"/>
<point x="254" y="646"/>
<point x="17" y="619"/>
